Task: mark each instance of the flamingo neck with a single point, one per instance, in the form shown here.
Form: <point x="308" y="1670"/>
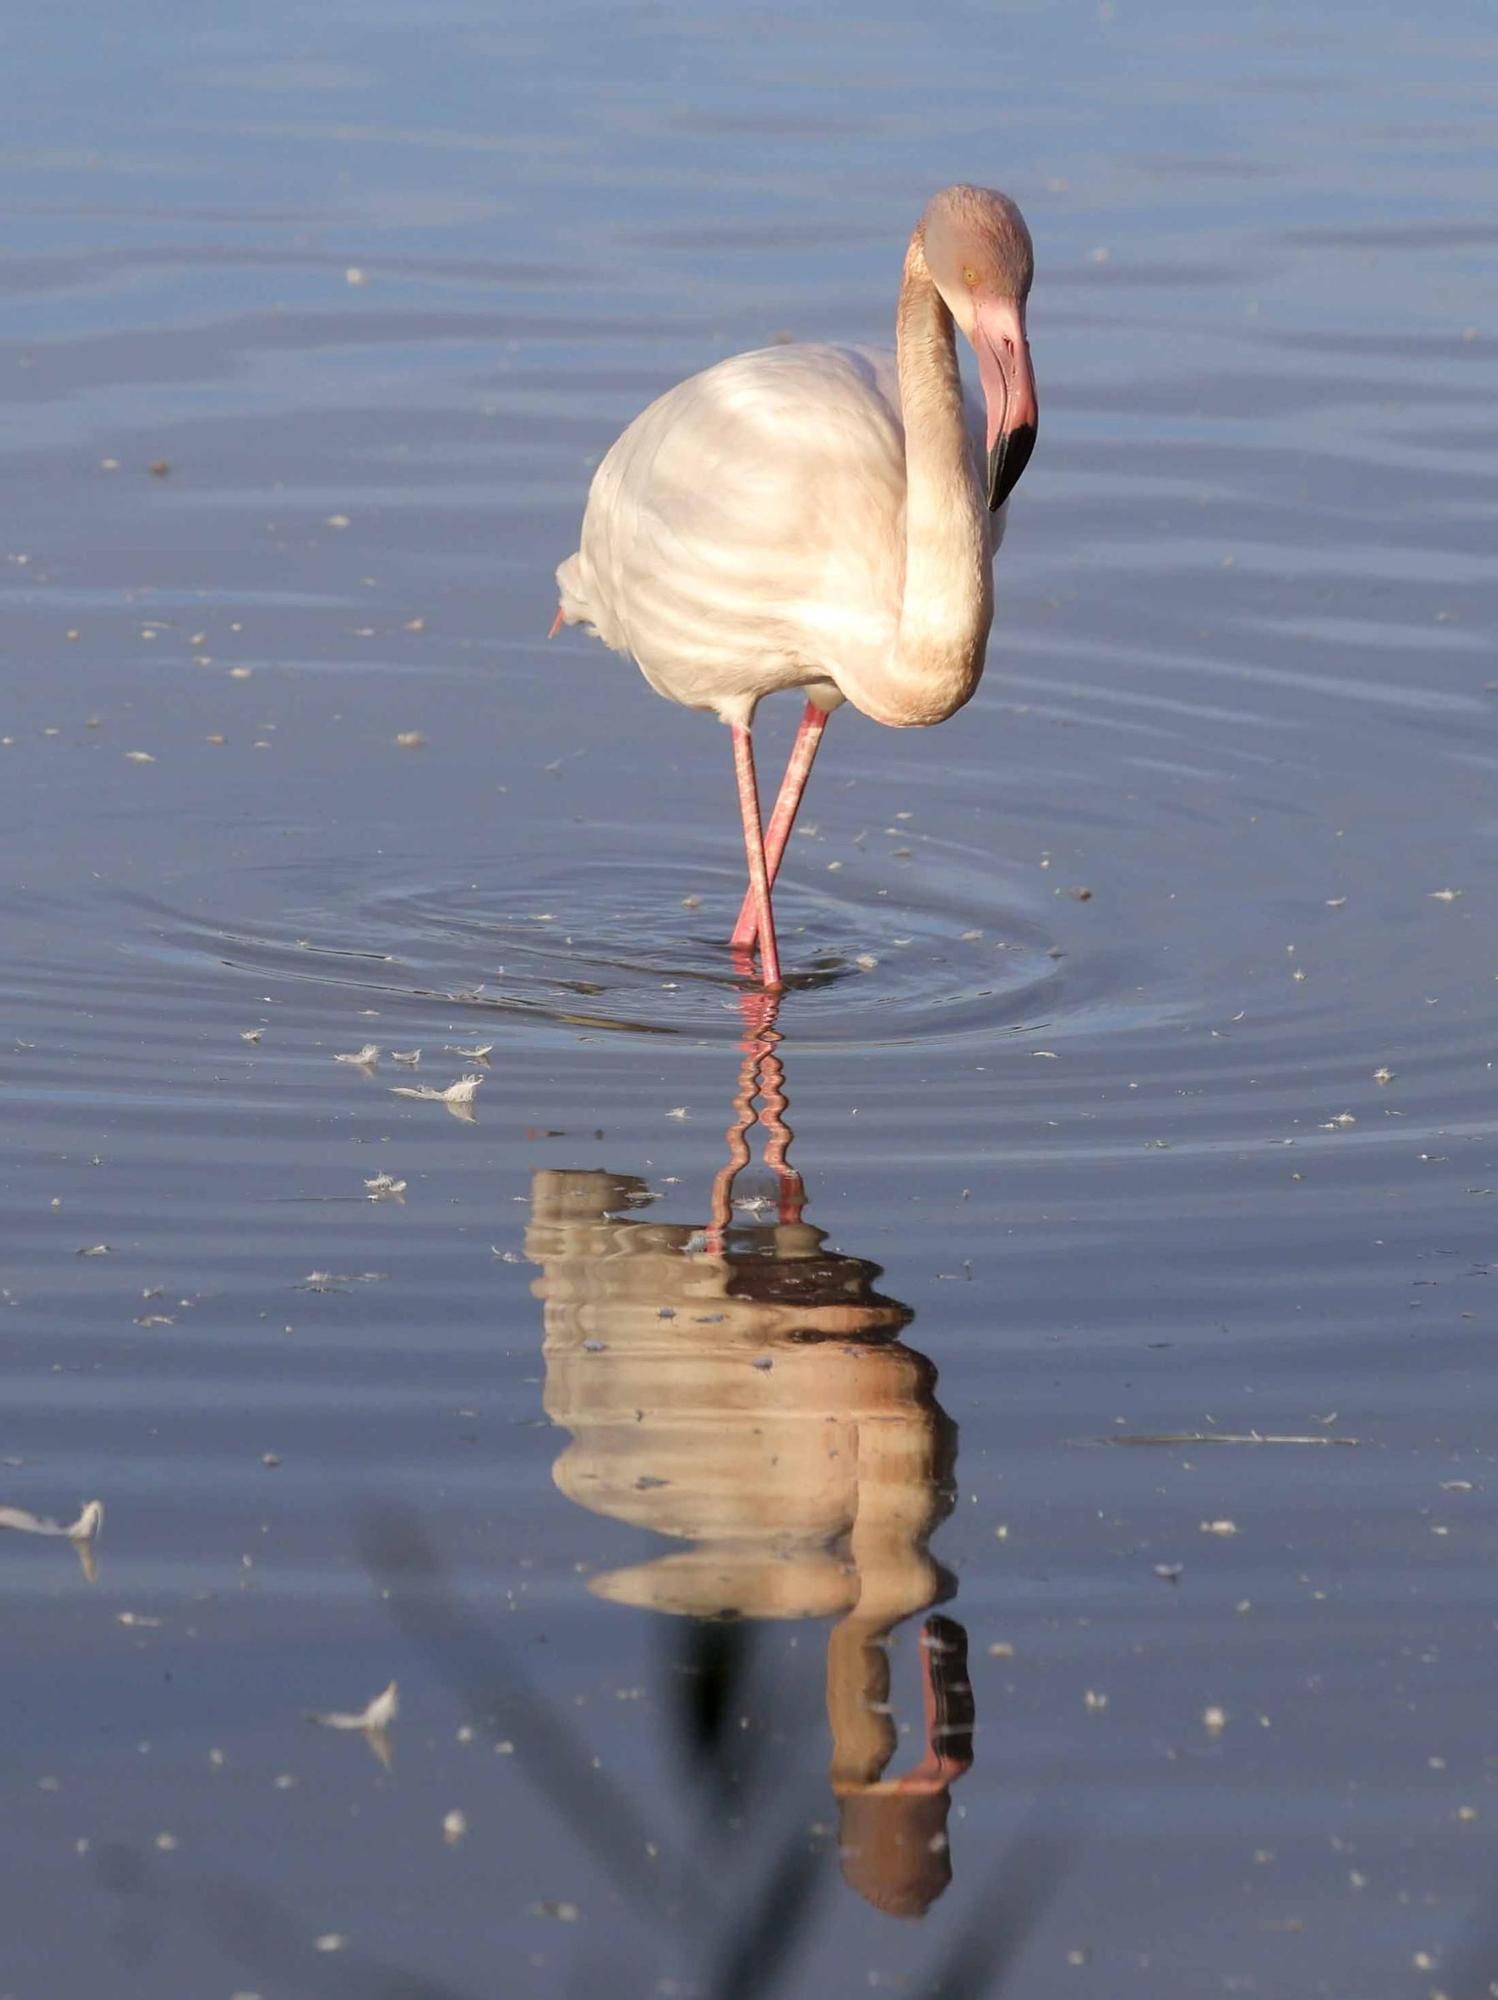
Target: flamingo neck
<point x="947" y="601"/>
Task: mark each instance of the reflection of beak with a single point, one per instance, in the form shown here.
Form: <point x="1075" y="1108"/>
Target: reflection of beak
<point x="1008" y="393"/>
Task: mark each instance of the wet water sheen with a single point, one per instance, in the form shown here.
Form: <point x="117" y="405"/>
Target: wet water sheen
<point x="1017" y="1514"/>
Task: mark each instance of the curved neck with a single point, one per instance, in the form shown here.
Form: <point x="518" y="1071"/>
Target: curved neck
<point x="947" y="602"/>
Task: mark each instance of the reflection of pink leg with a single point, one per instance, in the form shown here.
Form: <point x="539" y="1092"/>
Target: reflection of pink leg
<point x="948" y="1704"/>
<point x="778" y="832"/>
<point x="762" y="1075"/>
<point x="754" y="851"/>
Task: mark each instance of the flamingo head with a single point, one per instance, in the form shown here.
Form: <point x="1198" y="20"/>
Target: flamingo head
<point x="979" y="255"/>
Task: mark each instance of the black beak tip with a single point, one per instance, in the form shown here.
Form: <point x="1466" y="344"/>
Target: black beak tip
<point x="1008" y="459"/>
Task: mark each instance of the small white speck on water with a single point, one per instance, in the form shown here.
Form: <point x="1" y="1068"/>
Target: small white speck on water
<point x="338" y="521"/>
<point x="364" y="1058"/>
<point x="410" y="1057"/>
<point x="354" y="275"/>
<point x="330" y="1941"/>
<point x="454" y="1826"/>
<point x="1444" y="895"/>
<point x="1383" y="1076"/>
<point x="1214" y="1720"/>
<point x="252" y="1034"/>
<point x="680" y="1111"/>
<point x="409" y="739"/>
<point x="1219" y="1527"/>
<point x="1094" y="1701"/>
<point x="140" y="757"/>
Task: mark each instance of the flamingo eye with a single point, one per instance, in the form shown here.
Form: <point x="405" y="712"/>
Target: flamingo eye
<point x="970" y="274"/>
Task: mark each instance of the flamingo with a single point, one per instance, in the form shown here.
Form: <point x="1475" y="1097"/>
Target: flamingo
<point x="823" y="518"/>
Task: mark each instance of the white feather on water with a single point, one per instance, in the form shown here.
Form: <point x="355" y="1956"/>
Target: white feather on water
<point x="461" y="1092"/>
<point x="379" y="1714"/>
<point x="85" y="1529"/>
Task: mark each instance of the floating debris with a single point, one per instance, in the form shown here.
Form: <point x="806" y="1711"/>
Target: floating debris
<point x="1342" y="1120"/>
<point x="1383" y="1076"/>
<point x="461" y="1092"/>
<point x="1219" y="1527"/>
<point x="364" y="1058"/>
<point x="481" y="1052"/>
<point x="252" y="1034"/>
<point x="410" y="1057"/>
<point x="83" y="1533"/>
<point x="139" y="757"/>
<point x="1219" y="1437"/>
<point x="385" y="1186"/>
<point x="379" y="1714"/>
<point x="334" y="1281"/>
<point x="1444" y="895"/>
<point x="85" y="1529"/>
<point x="409" y="739"/>
<point x="680" y="1111"/>
<point x="454" y="1826"/>
<point x="94" y="1250"/>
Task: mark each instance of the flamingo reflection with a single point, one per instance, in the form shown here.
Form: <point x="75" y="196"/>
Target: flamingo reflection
<point x="743" y="1389"/>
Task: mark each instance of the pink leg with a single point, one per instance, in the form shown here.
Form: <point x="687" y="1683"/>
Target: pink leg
<point x="792" y="785"/>
<point x="754" y="850"/>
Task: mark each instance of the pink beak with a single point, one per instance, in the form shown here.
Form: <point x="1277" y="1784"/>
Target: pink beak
<point x="1008" y="393"/>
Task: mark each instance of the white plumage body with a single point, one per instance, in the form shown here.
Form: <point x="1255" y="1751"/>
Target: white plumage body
<point x="747" y="532"/>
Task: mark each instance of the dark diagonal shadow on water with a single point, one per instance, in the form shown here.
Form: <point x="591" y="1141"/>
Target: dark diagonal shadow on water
<point x="752" y="1921"/>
